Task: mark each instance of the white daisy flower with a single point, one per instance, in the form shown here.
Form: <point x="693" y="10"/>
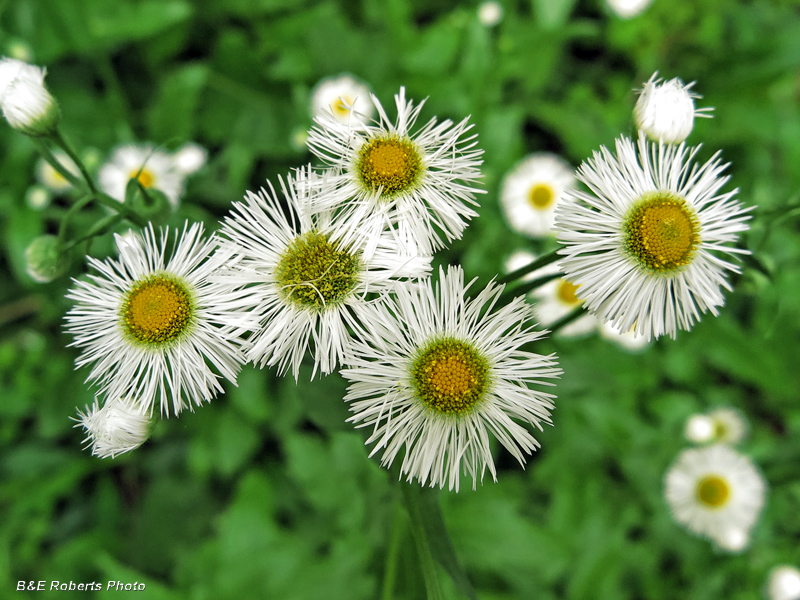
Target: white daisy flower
<point x="629" y="340"/>
<point x="307" y="274"/>
<point x="345" y="98"/>
<point x="665" y="109"/>
<point x="152" y="325"/>
<point x="52" y="179"/>
<point x="784" y="583"/>
<point x="433" y="376"/>
<point x="490" y="13"/>
<point x="532" y="190"/>
<point x="119" y="427"/>
<point x="420" y="183"/>
<point x="627" y="9"/>
<point x="27" y="105"/>
<point x="518" y="259"/>
<point x="190" y="158"/>
<point x="645" y="245"/>
<point x="558" y="298"/>
<point x="722" y="425"/>
<point x="154" y="168"/>
<point x="716" y="492"/>
<point x="699" y="429"/>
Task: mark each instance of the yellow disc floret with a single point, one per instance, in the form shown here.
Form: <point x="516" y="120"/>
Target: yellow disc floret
<point x="450" y="377"/>
<point x="145" y="176"/>
<point x="392" y="164"/>
<point x="662" y="232"/>
<point x="567" y="293"/>
<point x="313" y="272"/>
<point x="713" y="491"/>
<point x="541" y="196"/>
<point x="157" y="310"/>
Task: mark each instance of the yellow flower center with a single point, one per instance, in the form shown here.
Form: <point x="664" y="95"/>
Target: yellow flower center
<point x="662" y="232"/>
<point x="145" y="176"/>
<point x="541" y="196"/>
<point x="157" y="310"/>
<point x="314" y="273"/>
<point x="341" y="106"/>
<point x="392" y="164"/>
<point x="566" y="293"/>
<point x="450" y="377"/>
<point x="713" y="491"/>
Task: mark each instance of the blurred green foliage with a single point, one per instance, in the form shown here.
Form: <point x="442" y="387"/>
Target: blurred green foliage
<point x="267" y="492"/>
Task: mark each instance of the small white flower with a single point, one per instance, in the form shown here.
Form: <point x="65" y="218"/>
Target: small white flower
<point x="190" y="158"/>
<point x="119" y="427"/>
<point x="154" y="168"/>
<point x="421" y="184"/>
<point x="307" y="274"/>
<point x="723" y="425"/>
<point x="433" y="376"/>
<point x="27" y="105"/>
<point x="699" y="429"/>
<point x="716" y="492"/>
<point x="555" y="300"/>
<point x="52" y="179"/>
<point x="490" y="13"/>
<point x="629" y="340"/>
<point x="627" y="9"/>
<point x="345" y="98"/>
<point x="665" y="109"/>
<point x="532" y="190"/>
<point x="644" y="244"/>
<point x="784" y="583"/>
<point x="37" y="197"/>
<point x="154" y="325"/>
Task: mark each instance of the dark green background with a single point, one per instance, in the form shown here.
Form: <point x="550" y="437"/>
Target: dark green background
<point x="266" y="492"/>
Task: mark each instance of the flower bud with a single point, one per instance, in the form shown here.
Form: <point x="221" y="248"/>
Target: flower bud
<point x="119" y="427"/>
<point x="45" y="259"/>
<point x="784" y="583"/>
<point x="27" y="105"/>
<point x="665" y="111"/>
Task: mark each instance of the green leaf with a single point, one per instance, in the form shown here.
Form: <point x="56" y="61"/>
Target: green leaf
<point x="172" y="116"/>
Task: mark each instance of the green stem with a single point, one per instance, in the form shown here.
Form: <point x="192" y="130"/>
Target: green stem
<point x="73" y="210"/>
<point x="411" y="499"/>
<point x="53" y="161"/>
<point x="60" y="141"/>
<point x="540" y="262"/>
<point x="526" y="287"/>
<point x="564" y="321"/>
<point x="19" y="308"/>
<point x="392" y="554"/>
<point x="99" y="228"/>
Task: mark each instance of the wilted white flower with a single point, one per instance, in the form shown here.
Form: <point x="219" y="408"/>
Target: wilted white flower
<point x="118" y="427"/>
<point x="27" y="105"/>
<point x="645" y="246"/>
<point x="154" y="168"/>
<point x="716" y="492"/>
<point x="665" y="109"/>
<point x="532" y="190"/>
<point x="490" y="13"/>
<point x="433" y="376"/>
<point x="385" y="176"/>
<point x="784" y="583"/>
<point x="627" y="9"/>
<point x="345" y="98"/>
<point x="155" y="326"/>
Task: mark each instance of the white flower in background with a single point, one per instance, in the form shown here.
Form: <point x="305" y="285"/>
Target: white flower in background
<point x="418" y="183"/>
<point x="345" y="98"/>
<point x="37" y="197"/>
<point x="153" y="324"/>
<point x="433" y="377"/>
<point x="555" y="300"/>
<point x="784" y="583"/>
<point x="119" y="427"/>
<point x="490" y="13"/>
<point x="646" y="244"/>
<point x="154" y="168"/>
<point x="307" y="274"/>
<point x="716" y="492"/>
<point x="665" y="109"/>
<point x="627" y="9"/>
<point x="629" y="340"/>
<point x="722" y="425"/>
<point x="517" y="260"/>
<point x="190" y="158"/>
<point x="52" y="179"/>
<point x="27" y="105"/>
<point x="532" y="190"/>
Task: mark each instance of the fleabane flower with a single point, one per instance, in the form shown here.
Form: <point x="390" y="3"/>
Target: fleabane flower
<point x="153" y="167"/>
<point x="420" y="183"/>
<point x="722" y="425"/>
<point x="665" y="110"/>
<point x="154" y="326"/>
<point x="27" y="105"/>
<point x="432" y="377"/>
<point x="646" y="245"/>
<point x="717" y="493"/>
<point x="629" y="340"/>
<point x="118" y="427"/>
<point x="627" y="9"/>
<point x="490" y="13"/>
<point x="345" y="98"/>
<point x="308" y="273"/>
<point x="531" y="191"/>
<point x="784" y="583"/>
<point x="190" y="158"/>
